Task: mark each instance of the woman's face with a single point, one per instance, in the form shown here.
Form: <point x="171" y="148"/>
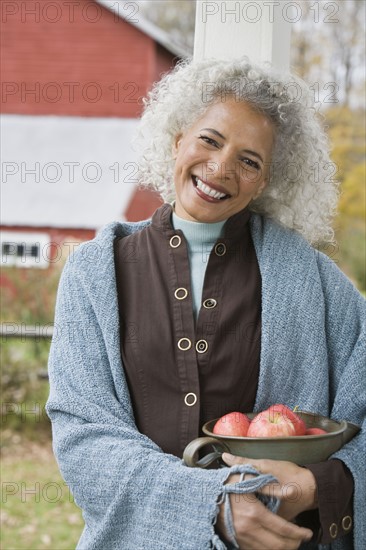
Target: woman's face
<point x="221" y="161"/>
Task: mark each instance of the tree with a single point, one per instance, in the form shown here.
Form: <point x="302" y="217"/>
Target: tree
<point x="347" y="133"/>
<point x="176" y="17"/>
<point x="305" y="54"/>
<point x="348" y="45"/>
<point x="329" y="49"/>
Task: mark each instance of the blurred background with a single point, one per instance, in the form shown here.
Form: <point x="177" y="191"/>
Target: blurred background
<point x="73" y="78"/>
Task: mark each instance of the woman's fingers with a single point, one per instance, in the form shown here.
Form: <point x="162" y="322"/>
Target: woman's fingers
<point x="231" y="460"/>
<point x="284" y="528"/>
<point x="296" y="487"/>
<point x="257" y="527"/>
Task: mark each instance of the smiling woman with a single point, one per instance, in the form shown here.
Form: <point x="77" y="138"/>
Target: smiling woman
<point x="222" y="159"/>
<point x="219" y="303"/>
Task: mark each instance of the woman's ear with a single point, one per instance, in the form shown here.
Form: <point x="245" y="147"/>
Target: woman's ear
<point x="176" y="144"/>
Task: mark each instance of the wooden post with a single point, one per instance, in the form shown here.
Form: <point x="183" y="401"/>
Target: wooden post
<point x="261" y="30"/>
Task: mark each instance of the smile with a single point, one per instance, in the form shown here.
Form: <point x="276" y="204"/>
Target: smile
<point x="207" y="192"/>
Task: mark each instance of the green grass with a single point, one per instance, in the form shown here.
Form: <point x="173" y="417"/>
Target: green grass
<point x="24" y="390"/>
<point x="38" y="511"/>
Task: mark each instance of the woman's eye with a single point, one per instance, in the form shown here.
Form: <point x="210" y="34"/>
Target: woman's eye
<point x="251" y="163"/>
<point x="209" y="140"/>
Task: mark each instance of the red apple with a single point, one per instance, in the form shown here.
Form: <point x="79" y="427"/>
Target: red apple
<point x="315" y="431"/>
<point x="271" y="424"/>
<point x="299" y="424"/>
<point x="234" y="423"/>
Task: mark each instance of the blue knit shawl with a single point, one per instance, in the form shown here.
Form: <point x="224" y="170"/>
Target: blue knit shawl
<point x="135" y="497"/>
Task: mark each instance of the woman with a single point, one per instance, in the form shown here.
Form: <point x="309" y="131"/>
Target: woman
<point x="218" y="303"/>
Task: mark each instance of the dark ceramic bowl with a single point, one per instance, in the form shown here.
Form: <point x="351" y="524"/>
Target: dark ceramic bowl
<point x="305" y="449"/>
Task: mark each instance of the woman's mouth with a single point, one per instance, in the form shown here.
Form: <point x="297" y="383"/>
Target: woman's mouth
<point x="207" y="192"/>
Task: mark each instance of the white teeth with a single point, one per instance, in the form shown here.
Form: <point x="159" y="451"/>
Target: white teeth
<point x="208" y="190"/>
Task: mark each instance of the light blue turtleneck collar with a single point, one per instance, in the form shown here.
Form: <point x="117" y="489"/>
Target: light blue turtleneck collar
<point x="198" y="233"/>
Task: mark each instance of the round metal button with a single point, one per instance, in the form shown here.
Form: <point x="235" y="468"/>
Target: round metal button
<point x="184" y="344"/>
<point x="201" y="346"/>
<point x="190" y="399"/>
<point x="175" y="241"/>
<point x="209" y="303"/>
<point x="347" y="523"/>
<point x="220" y="249"/>
<point x="181" y="293"/>
<point x="333" y="530"/>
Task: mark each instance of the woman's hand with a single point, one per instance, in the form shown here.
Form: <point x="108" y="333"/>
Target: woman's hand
<point x="256" y="527"/>
<point x="296" y="489"/>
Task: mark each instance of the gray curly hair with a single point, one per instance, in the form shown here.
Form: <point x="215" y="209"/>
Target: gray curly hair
<point x="300" y="194"/>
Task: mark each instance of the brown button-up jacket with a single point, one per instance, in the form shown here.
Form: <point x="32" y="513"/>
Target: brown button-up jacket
<point x="182" y="373"/>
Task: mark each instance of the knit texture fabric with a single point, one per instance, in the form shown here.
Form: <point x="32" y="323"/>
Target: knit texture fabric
<point x="135" y="497"/>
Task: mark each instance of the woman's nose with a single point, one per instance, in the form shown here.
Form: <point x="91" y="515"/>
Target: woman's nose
<point x="223" y="166"/>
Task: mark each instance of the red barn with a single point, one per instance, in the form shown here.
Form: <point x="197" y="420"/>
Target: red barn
<point x="73" y="76"/>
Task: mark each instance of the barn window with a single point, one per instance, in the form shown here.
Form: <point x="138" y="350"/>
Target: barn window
<point x="24" y="249"/>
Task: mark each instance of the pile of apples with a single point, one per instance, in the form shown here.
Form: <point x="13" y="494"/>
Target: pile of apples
<point x="276" y="421"/>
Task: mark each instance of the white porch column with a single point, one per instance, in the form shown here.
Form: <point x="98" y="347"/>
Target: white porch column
<point x="261" y="30"/>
